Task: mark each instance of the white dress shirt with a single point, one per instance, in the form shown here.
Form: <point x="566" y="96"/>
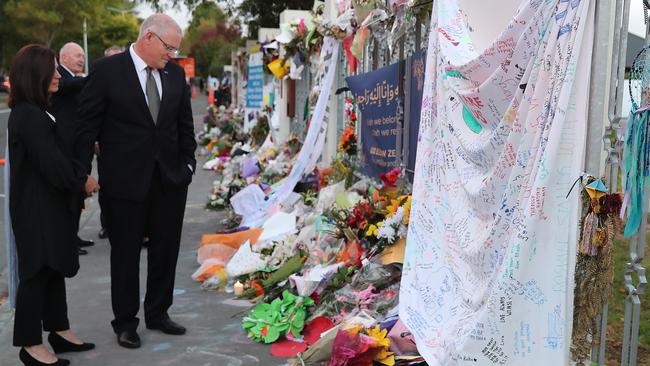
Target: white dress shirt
<point x="51" y="116"/>
<point x="141" y="70"/>
<point x="68" y="70"/>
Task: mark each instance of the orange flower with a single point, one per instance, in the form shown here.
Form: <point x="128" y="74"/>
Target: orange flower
<point x="323" y="177"/>
<point x="259" y="290"/>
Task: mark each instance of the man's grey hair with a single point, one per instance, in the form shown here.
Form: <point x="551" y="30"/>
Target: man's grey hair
<point x="113" y="50"/>
<point x="68" y="48"/>
<point x="159" y="24"/>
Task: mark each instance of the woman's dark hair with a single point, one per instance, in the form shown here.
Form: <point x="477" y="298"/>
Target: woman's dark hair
<point x="31" y="74"/>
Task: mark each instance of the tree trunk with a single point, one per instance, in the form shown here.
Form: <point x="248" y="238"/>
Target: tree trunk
<point x="50" y="39"/>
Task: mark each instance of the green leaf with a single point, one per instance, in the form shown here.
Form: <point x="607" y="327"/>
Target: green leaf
<point x="308" y="301"/>
<point x="288" y="296"/>
<point x="301" y="314"/>
<point x="272" y="334"/>
<point x="261" y="311"/>
<point x="296" y="332"/>
<point x="283" y="327"/>
<point x="258" y="328"/>
<point x="297" y="326"/>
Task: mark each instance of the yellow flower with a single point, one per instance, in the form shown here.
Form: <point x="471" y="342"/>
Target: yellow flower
<point x="342" y="166"/>
<point x="380" y="335"/>
<point x="372" y="231"/>
<point x="385" y="356"/>
<point x="407" y="210"/>
<point x="392" y="208"/>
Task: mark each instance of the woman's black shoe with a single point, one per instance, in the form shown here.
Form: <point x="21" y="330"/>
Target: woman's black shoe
<point x="28" y="360"/>
<point x="62" y="345"/>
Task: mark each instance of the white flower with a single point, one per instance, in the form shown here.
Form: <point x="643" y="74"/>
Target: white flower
<point x="403" y="230"/>
<point x="386" y="232"/>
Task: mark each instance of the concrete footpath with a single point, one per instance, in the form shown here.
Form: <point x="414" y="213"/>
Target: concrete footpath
<point x="214" y="336"/>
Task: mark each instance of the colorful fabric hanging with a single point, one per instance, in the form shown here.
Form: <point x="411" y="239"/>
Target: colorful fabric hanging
<point x="637" y="162"/>
<point x="491" y="247"/>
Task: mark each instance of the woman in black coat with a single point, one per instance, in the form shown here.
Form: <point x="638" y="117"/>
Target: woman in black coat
<point x="45" y="189"/>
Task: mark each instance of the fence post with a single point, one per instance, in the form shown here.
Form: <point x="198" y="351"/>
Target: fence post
<point x="596" y="118"/>
<point x="406" y="122"/>
<point x="637" y="243"/>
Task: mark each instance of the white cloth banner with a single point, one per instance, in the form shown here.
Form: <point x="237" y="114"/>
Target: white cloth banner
<point x="314" y="141"/>
<point x="488" y="272"/>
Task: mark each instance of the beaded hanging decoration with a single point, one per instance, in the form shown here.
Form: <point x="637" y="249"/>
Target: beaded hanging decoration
<point x="594" y="264"/>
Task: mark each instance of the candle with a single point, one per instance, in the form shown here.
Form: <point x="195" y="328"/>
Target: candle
<point x="239" y="288"/>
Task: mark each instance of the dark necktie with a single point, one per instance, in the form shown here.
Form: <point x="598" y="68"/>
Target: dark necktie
<point x="152" y="95"/>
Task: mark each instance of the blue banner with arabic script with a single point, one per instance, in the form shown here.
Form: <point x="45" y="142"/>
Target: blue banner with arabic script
<point x="377" y="96"/>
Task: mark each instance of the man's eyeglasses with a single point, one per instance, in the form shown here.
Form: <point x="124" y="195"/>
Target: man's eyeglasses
<point x="172" y="50"/>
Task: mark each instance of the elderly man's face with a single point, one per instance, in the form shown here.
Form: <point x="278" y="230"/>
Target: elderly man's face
<point x="74" y="60"/>
<point x="162" y="47"/>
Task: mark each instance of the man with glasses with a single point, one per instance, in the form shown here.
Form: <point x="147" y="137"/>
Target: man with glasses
<point x="136" y="105"/>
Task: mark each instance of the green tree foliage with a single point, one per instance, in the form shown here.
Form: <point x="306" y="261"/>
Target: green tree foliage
<point x="263" y="13"/>
<point x="161" y="5"/>
<point x="42" y="21"/>
<point x="8" y="40"/>
<point x="55" y="22"/>
<point x="112" y="30"/>
<point x="255" y="13"/>
<point x="210" y="39"/>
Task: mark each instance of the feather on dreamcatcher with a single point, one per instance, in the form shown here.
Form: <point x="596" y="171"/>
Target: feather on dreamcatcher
<point x="637" y="143"/>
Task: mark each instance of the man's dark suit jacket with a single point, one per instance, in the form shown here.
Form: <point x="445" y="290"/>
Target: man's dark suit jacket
<point x="113" y="110"/>
<point x="64" y="108"/>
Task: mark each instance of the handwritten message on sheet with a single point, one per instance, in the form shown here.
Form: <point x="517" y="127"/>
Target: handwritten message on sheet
<point x="488" y="271"/>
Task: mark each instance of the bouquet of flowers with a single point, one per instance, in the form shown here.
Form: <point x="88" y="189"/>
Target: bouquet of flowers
<point x="260" y="130"/>
<point x="348" y="143"/>
<point x="222" y="191"/>
<point x="394" y="227"/>
<point x="362" y="346"/>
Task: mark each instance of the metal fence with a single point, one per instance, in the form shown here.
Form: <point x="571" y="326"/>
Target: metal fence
<point x="612" y="141"/>
<point x="377" y="54"/>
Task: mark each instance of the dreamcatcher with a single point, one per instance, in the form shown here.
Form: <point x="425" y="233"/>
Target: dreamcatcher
<point x="637" y="143"/>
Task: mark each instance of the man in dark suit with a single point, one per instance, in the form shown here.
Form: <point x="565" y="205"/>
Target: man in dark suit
<point x="137" y="106"/>
<point x="64" y="107"/>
